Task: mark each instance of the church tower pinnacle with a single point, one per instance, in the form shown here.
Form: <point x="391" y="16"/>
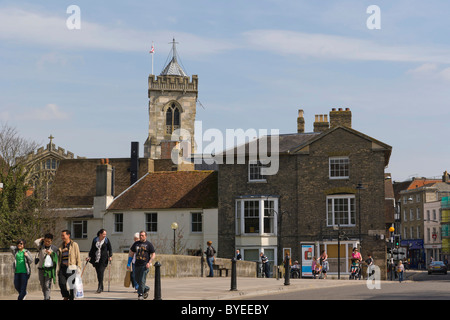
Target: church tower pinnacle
<point x="172" y="105"/>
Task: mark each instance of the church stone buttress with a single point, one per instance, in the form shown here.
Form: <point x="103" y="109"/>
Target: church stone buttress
<point x="172" y="105"/>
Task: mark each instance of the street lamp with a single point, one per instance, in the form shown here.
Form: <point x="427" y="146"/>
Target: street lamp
<point x="174" y="227"/>
<point x="359" y="187"/>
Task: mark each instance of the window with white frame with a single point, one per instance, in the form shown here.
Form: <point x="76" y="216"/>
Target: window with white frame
<point x="118" y="222"/>
<point x="254" y="171"/>
<point x="339" y="167"/>
<point x="418" y="213"/>
<point x="196" y="222"/>
<point x="79" y="229"/>
<point x="341" y="210"/>
<point x="256" y="216"/>
<point x="411" y="214"/>
<point x="151" y="222"/>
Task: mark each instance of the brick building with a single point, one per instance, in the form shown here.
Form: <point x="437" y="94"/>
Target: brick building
<point x="312" y="198"/>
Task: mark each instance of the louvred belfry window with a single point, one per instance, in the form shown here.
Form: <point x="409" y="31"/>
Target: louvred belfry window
<point x="172" y="119"/>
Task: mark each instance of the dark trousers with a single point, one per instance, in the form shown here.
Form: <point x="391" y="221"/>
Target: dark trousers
<point x="100" y="269"/>
<point x="20" y="283"/>
<point x="66" y="278"/>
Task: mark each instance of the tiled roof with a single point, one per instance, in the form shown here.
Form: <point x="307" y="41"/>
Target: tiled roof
<point x="170" y="189"/>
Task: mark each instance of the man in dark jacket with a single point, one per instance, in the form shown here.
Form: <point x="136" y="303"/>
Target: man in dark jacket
<point x="100" y="255"/>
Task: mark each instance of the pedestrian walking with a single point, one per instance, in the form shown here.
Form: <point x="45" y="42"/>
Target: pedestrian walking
<point x="47" y="261"/>
<point x="22" y="268"/>
<point x="210" y="257"/>
<point x="145" y="253"/>
<point x="400" y="270"/>
<point x="265" y="264"/>
<point x="324" y="263"/>
<point x="133" y="261"/>
<point x="100" y="255"/>
<point x="69" y="262"/>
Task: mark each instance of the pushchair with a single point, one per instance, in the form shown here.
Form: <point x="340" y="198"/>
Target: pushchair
<point x="355" y="270"/>
<point x="317" y="271"/>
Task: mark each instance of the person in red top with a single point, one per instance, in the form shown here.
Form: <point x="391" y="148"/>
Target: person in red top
<point x="356" y="255"/>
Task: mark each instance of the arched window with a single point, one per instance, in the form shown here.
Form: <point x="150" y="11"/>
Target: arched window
<point x="172" y="119"/>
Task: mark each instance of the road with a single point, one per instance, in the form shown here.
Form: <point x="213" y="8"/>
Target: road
<point x="420" y="286"/>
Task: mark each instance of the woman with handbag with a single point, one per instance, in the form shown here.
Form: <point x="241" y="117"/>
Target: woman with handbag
<point x="46" y="260"/>
<point x="100" y="255"/>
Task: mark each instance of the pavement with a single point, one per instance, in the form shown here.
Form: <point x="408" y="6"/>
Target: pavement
<point x="195" y="288"/>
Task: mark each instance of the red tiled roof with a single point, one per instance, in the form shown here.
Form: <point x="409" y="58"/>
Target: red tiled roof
<point x="417" y="183"/>
<point x="170" y="189"/>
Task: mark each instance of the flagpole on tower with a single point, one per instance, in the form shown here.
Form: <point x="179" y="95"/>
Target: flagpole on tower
<point x="152" y="51"/>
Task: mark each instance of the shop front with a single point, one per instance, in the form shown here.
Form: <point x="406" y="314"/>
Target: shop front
<point x="416" y="254"/>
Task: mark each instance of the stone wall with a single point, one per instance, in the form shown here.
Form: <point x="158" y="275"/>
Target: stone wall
<point x="171" y="266"/>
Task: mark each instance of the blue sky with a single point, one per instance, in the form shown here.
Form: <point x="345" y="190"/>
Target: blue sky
<point x="258" y="62"/>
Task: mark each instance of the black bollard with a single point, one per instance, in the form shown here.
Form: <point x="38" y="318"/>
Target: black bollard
<point x="202" y="262"/>
<point x="233" y="275"/>
<point x="157" y="281"/>
<point x="287" y="271"/>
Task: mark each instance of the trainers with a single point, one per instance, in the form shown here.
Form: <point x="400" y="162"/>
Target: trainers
<point x="140" y="297"/>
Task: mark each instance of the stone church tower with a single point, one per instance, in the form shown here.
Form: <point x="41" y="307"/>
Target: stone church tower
<point x="172" y="105"/>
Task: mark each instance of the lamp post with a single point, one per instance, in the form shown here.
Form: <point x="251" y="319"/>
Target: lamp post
<point x="174" y="227"/>
<point x="391" y="260"/>
<point x="359" y="187"/>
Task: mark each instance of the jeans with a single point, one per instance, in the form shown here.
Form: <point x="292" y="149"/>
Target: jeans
<point x="210" y="261"/>
<point x="400" y="276"/>
<point x="20" y="283"/>
<point x="132" y="277"/>
<point x="140" y="275"/>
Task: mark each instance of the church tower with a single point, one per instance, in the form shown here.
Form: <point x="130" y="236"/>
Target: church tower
<point x="172" y="105"/>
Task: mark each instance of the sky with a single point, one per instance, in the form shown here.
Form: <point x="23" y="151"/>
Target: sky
<point x="82" y="76"/>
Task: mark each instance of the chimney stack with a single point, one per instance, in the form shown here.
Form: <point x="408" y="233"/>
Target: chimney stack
<point x="321" y="123"/>
<point x="300" y="122"/>
<point x="134" y="166"/>
<point x="445" y="177"/>
<point x="105" y="179"/>
<point x="340" y="117"/>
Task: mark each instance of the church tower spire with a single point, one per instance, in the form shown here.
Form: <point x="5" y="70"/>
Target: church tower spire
<point x="172" y="105"/>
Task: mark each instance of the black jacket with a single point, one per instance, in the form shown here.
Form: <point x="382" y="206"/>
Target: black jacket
<point x="105" y="252"/>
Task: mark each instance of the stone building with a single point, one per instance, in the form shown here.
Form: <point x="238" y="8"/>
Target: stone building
<point x="76" y="195"/>
<point x="43" y="165"/>
<point x="421" y="216"/>
<point x="172" y="107"/>
<point x="313" y="198"/>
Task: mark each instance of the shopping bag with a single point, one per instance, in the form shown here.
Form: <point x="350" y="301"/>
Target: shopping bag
<point x="78" y="288"/>
<point x="127" y="280"/>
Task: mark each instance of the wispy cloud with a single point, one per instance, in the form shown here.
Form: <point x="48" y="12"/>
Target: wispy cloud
<point x="431" y="71"/>
<point x="37" y="28"/>
<point x="332" y="47"/>
<point x="49" y="112"/>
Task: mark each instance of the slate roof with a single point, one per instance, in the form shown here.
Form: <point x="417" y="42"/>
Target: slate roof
<point x="173" y="69"/>
<point x="169" y="190"/>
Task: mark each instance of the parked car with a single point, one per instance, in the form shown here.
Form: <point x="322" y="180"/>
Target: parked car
<point x="437" y="267"/>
